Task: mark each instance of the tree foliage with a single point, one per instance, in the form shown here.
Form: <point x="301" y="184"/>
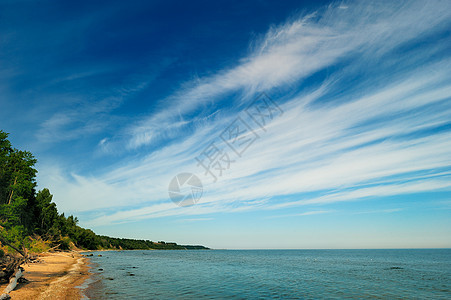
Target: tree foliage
<point x="25" y="213"/>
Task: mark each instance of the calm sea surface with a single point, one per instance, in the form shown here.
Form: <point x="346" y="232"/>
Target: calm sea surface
<point x="264" y="274"/>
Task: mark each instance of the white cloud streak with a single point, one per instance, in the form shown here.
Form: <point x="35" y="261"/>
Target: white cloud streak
<point x="370" y="140"/>
<point x="298" y="49"/>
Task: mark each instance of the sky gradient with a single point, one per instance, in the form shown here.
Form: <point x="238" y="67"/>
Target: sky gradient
<point x="116" y="98"/>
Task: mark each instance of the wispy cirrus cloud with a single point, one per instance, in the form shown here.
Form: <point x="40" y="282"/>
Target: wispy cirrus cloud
<point x="294" y="51"/>
<point x="376" y="125"/>
<point x="88" y="115"/>
<point x="307" y="213"/>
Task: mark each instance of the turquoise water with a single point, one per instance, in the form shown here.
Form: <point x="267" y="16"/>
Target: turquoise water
<point x="265" y="274"/>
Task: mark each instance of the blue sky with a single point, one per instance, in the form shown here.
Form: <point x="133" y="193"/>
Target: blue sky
<point x="116" y="98"/>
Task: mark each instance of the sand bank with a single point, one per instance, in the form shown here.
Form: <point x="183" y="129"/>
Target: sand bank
<point x="56" y="276"/>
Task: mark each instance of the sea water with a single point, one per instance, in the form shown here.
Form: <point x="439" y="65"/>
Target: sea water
<point x="265" y="274"/>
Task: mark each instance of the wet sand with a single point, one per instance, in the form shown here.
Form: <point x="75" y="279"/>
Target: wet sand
<point x="56" y="276"/>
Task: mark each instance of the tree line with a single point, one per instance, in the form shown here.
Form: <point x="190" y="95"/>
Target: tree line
<point x="30" y="219"/>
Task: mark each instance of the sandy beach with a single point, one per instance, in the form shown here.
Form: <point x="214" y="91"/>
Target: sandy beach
<point x="56" y="276"/>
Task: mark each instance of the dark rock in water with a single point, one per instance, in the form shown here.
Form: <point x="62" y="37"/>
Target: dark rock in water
<point x="131" y="274"/>
<point x="100" y="269"/>
<point x="395" y="268"/>
<point x="134" y="267"/>
<point x="109" y="278"/>
<point x="90" y="254"/>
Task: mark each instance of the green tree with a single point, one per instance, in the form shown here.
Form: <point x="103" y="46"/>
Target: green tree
<point x="25" y="213"/>
<point x="5" y="151"/>
<point x="46" y="211"/>
<point x="19" y="175"/>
